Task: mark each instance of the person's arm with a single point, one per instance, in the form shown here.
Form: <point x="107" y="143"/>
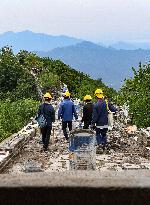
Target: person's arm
<point x="112" y="108"/>
<point x="94" y="115"/>
<point x="40" y="110"/>
<point x="84" y="114"/>
<point x="74" y="112"/>
<point x="53" y="114"/>
<point x="60" y="111"/>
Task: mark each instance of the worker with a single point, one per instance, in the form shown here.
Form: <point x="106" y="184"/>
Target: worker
<point x="66" y="112"/>
<point x="87" y="112"/>
<point x="100" y="117"/>
<point x="49" y="114"/>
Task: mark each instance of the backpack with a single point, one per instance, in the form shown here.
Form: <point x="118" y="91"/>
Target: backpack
<point x="41" y="119"/>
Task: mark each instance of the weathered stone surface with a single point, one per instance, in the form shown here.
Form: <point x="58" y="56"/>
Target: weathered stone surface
<point x="123" y="147"/>
<point x="79" y="179"/>
<point x="125" y="188"/>
<point x="32" y="166"/>
<point x="11" y="146"/>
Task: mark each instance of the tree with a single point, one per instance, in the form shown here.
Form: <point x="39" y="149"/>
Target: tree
<point x="136" y="93"/>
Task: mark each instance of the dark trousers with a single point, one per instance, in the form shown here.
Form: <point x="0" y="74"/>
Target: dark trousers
<point x="66" y="124"/>
<point x="46" y="132"/>
<point x="101" y="136"/>
<point x="86" y="125"/>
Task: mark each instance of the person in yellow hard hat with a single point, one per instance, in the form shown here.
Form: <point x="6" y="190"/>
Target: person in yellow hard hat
<point x="99" y="94"/>
<point x="67" y="94"/>
<point x="100" y="117"/>
<point x="47" y="97"/>
<point x="87" y="112"/>
<point x="47" y="110"/>
<point x="66" y="112"/>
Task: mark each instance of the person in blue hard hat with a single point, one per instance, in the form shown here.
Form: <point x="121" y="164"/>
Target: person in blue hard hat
<point x="66" y="112"/>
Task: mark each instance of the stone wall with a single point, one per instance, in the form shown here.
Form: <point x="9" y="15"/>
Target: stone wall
<point x="11" y="146"/>
<point x="80" y="187"/>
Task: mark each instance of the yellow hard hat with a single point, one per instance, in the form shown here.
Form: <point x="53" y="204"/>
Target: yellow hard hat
<point x="47" y="95"/>
<point x="99" y="93"/>
<point x="87" y="97"/>
<point x="67" y="94"/>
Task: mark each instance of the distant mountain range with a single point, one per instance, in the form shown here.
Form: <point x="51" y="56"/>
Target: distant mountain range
<point x="113" y="64"/>
<point x="30" y="41"/>
<point x="131" y="46"/>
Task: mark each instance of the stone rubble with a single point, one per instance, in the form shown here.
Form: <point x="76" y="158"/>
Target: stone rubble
<point x="11" y="146"/>
<point x="125" y="151"/>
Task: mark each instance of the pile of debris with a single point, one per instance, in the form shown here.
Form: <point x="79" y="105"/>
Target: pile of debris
<point x="128" y="139"/>
<point x="12" y="146"/>
<point x="128" y="149"/>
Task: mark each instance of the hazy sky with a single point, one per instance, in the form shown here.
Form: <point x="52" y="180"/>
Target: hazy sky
<point x="96" y="20"/>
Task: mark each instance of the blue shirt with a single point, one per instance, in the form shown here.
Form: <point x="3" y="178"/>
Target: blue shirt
<point x="67" y="110"/>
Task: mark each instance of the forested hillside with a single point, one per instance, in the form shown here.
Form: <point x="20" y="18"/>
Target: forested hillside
<point x="18" y="91"/>
<point x="19" y="98"/>
<point x="136" y="94"/>
<point x="112" y="65"/>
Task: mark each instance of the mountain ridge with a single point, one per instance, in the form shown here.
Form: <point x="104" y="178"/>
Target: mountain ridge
<point x="110" y="64"/>
<point x="30" y="41"/>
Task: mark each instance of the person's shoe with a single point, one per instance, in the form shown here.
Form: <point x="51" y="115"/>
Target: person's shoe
<point x="99" y="149"/>
<point x="40" y="142"/>
<point x="45" y="149"/>
<point x="103" y="146"/>
<point x="67" y="139"/>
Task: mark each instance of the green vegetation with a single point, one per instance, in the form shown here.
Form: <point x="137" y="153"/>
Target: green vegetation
<point x="136" y="93"/>
<point x="79" y="84"/>
<point x="49" y="80"/>
<point x="14" y="115"/>
<point x="16" y="82"/>
<point x="18" y="95"/>
<point x="18" y="90"/>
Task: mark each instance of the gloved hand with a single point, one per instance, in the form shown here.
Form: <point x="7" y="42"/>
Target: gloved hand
<point x="80" y="123"/>
<point x="92" y="127"/>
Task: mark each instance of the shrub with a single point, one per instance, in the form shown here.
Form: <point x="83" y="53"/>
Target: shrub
<point x="136" y="93"/>
<point x="15" y="115"/>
